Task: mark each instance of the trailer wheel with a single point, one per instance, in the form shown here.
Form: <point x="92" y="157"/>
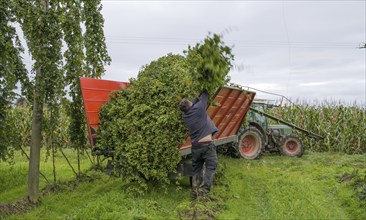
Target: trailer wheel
<point x="250" y="143"/>
<point x="292" y="146"/>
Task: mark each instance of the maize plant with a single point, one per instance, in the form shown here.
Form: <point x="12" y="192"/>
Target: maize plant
<point x="344" y="127"/>
<point x="9" y="134"/>
<point x="15" y="130"/>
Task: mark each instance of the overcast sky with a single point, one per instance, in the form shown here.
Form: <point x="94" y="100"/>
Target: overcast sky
<point x="304" y="50"/>
<point x="301" y="49"/>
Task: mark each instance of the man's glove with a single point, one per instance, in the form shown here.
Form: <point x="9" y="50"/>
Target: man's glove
<point x="203" y="91"/>
<point x="195" y="100"/>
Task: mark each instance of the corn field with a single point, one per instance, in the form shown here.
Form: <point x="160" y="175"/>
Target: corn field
<point x="15" y="130"/>
<point x="343" y="127"/>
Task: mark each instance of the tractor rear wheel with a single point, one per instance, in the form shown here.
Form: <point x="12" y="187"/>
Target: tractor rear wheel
<point x="292" y="146"/>
<point x="250" y="143"/>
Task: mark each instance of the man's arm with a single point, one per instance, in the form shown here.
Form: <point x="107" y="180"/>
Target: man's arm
<point x="204" y="98"/>
<point x="195" y="100"/>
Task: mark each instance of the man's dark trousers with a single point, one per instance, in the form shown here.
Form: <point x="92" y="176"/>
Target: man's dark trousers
<point x="204" y="153"/>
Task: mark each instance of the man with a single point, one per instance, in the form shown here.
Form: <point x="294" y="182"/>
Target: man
<point x="200" y="128"/>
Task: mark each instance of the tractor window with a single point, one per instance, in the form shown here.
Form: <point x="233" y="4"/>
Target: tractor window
<point x="258" y="118"/>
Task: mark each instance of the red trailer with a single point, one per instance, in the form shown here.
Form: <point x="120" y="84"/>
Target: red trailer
<point x="229" y="109"/>
<point x="96" y="92"/>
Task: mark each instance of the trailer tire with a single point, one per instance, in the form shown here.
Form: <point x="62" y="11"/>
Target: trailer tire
<point x="250" y="143"/>
<point x="292" y="146"/>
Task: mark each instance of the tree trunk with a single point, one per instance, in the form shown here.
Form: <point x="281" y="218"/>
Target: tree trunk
<point x="53" y="162"/>
<point x="78" y="160"/>
<point x="35" y="151"/>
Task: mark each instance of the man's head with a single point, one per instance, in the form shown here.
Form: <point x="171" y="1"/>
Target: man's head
<point x="185" y="105"/>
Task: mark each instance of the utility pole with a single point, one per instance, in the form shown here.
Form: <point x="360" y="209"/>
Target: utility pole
<point x="362" y="45"/>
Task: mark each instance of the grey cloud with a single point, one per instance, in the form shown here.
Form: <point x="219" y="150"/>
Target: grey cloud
<point x="279" y="45"/>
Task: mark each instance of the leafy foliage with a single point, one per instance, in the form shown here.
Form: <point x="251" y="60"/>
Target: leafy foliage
<point x="94" y="40"/>
<point x="8" y="137"/>
<point x="12" y="71"/>
<point x="74" y="56"/>
<point x="40" y="22"/>
<point x="56" y="127"/>
<point x="211" y="62"/>
<point x="46" y="25"/>
<point x="90" y="64"/>
<point x="344" y="127"/>
<point x="15" y="129"/>
<point x="143" y="122"/>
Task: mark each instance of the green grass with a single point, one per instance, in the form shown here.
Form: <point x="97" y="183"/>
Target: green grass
<point x="273" y="187"/>
<point x="276" y="187"/>
<point x="13" y="178"/>
<point x="103" y="198"/>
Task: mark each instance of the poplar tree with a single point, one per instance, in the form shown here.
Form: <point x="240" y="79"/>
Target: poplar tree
<point x="12" y="71"/>
<point x="62" y="52"/>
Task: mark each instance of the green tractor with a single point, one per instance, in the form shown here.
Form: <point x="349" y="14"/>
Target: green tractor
<point x="261" y="136"/>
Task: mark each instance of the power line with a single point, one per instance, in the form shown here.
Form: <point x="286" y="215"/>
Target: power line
<point x="237" y="43"/>
<point x="231" y="0"/>
<point x="289" y="46"/>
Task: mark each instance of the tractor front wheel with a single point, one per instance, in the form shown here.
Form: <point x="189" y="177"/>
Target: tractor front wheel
<point x="250" y="143"/>
<point x="292" y="146"/>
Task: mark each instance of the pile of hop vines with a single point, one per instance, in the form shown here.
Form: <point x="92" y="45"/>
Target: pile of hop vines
<point x="143" y="124"/>
<point x="211" y="62"/>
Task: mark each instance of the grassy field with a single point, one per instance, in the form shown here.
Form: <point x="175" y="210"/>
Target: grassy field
<point x="316" y="186"/>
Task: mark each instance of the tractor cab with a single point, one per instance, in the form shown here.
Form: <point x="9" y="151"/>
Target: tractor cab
<point x="256" y="117"/>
